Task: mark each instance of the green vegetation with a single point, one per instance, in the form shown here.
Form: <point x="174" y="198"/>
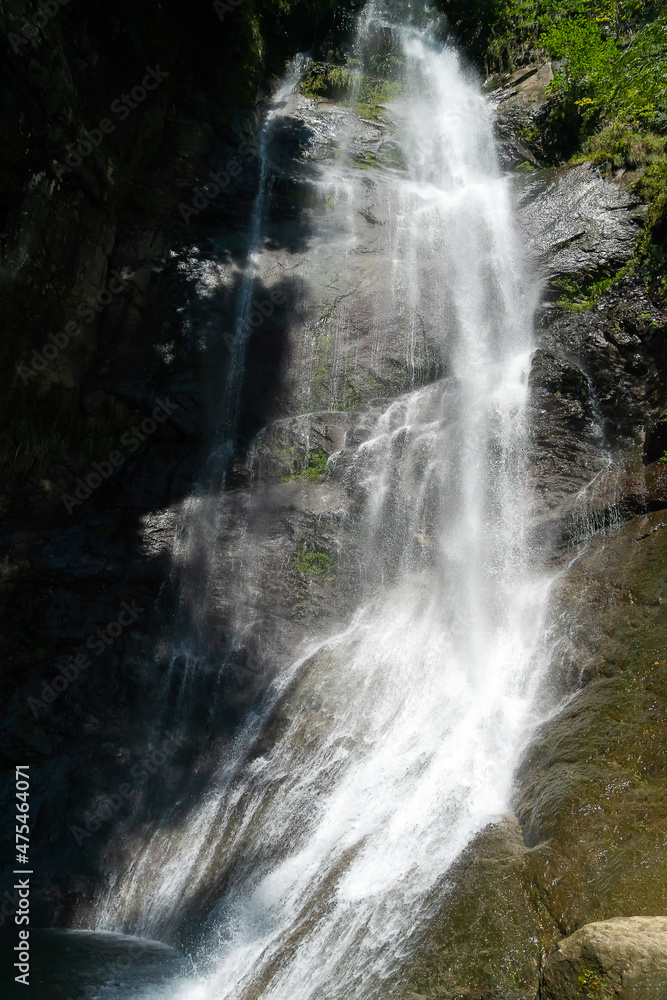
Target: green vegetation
<point x="593" y="986"/>
<point x="607" y="102"/>
<point x="374" y="93"/>
<point x="315" y="468"/>
<point x="609" y="93"/>
<point x="317" y="465"/>
<point x="313" y="563"/>
<point x="578" y="296"/>
<point x="325" y="80"/>
<point x="369" y="88"/>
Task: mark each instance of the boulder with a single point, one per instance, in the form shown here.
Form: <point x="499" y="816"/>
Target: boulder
<point x="623" y="957"/>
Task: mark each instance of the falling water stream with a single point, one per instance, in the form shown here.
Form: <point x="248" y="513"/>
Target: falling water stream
<point x="383" y="749"/>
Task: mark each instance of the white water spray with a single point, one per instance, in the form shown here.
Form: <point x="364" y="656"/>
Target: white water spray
<point x="394" y="742"/>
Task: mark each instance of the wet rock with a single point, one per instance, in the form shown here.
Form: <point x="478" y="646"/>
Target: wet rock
<point x="624" y="957"/>
<point x="564" y="429"/>
<point x="484" y="940"/>
<point x="516" y="102"/>
<point x="596" y="381"/>
<point x="620" y="345"/>
<point x="577" y="223"/>
<point x="591" y="797"/>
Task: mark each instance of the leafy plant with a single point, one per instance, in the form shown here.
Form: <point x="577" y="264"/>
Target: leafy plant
<point x="579" y="296"/>
<point x="313" y="563"/>
<point x="593" y="986"/>
<point x="315" y="468"/>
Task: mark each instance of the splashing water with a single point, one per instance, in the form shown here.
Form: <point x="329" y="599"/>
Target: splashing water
<point x="392" y="743"/>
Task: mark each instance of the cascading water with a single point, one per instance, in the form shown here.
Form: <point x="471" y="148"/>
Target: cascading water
<point x="383" y="750"/>
<point x="200" y="520"/>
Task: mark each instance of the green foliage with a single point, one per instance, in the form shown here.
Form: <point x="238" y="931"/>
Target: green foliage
<point x="587" y="57"/>
<point x="580" y="296"/>
<point x="370" y="88"/>
<point x="612" y="71"/>
<point x="593" y="986"/>
<point x="317" y="465"/>
<point x="610" y="93"/>
<point x="324" y="80"/>
<point x="619" y="146"/>
<point x="312" y="563"/>
<point x="373" y="94"/>
<point x="652" y="251"/>
<point x="315" y="469"/>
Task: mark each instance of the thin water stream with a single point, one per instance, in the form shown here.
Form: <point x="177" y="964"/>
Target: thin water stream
<point x="380" y="751"/>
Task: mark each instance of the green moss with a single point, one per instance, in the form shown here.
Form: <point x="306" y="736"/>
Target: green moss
<point x="325" y="80"/>
<point x="352" y="398"/>
<point x="652" y="249"/>
<point x="373" y="95"/>
<point x="578" y="296"/>
<point x="593" y="786"/>
<point x="367" y="160"/>
<point x="482" y="941"/>
<point x="313" y="563"/>
<point x="594" y="986"/>
<point x="315" y="468"/>
<point x="317" y="465"/>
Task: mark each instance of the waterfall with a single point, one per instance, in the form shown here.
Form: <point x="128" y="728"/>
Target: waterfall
<point x="382" y="749"/>
<point x="199" y="519"/>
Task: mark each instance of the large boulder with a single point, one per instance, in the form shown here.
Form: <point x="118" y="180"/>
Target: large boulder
<point x="623" y="957"/>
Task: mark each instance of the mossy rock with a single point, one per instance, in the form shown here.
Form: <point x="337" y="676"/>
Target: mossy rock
<point x="484" y="939"/>
<point x="594" y="786"/>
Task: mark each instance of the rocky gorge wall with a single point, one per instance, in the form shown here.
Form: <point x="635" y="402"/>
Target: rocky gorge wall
<point x="584" y="843"/>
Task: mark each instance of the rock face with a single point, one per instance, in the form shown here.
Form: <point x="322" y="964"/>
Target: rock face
<point x="579" y="224"/>
<point x="624" y="957"/>
<point x="586" y="841"/>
